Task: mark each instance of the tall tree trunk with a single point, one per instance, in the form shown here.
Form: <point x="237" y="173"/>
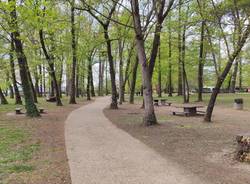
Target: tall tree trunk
<point x="170" y="86"/>
<point x="159" y="73"/>
<point x="180" y="85"/>
<point x="11" y="92"/>
<point x="77" y="82"/>
<point x="113" y="104"/>
<point x="133" y="81"/>
<point x="51" y="68"/>
<point x="74" y="59"/>
<point x="149" y="114"/>
<point x="92" y="82"/>
<point x="3" y="100"/>
<point x="30" y="106"/>
<point x="240" y="74"/>
<point x="89" y="79"/>
<point x="234" y="76"/>
<point x="201" y="63"/>
<point x="223" y="75"/>
<point x="101" y="76"/>
<point x="44" y="81"/>
<point x="18" y="99"/>
<point x="106" y="78"/>
<point x="121" y="79"/>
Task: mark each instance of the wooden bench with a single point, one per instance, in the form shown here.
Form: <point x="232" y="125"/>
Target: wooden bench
<point x="18" y="111"/>
<point x="41" y="110"/>
<point x="156" y="102"/>
<point x="180" y="113"/>
<point x="51" y="99"/>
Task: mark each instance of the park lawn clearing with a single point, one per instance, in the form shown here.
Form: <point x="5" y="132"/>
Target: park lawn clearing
<point x="205" y="149"/>
<point x="32" y="150"/>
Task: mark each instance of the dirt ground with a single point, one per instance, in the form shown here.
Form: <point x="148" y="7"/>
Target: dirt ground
<point x="50" y="161"/>
<point x="205" y="149"/>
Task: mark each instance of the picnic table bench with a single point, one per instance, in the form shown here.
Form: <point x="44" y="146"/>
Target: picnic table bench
<point x="18" y="110"/>
<point x="189" y="110"/>
<point x="163" y="102"/>
<point x="41" y="110"/>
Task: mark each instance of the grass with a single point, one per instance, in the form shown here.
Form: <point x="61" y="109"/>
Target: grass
<point x="17" y="142"/>
<point x="14" y="151"/>
<point x="222" y="100"/>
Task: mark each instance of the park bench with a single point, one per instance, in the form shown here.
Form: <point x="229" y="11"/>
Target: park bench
<point x="18" y="110"/>
<point x="156" y="102"/>
<point x="189" y="110"/>
<point x="51" y="99"/>
<point x="41" y="110"/>
<point x="163" y="102"/>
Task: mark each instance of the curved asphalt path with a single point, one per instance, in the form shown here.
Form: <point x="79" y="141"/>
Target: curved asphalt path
<point x="100" y="153"/>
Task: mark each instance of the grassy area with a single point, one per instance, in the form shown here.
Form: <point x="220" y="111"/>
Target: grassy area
<point x="18" y="146"/>
<point x="222" y="100"/>
<point x="14" y="152"/>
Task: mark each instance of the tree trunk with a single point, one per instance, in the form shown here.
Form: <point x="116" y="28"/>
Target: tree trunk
<point x="18" y="99"/>
<point x="180" y="85"/>
<point x="222" y="77"/>
<point x="74" y="59"/>
<point x="113" y="104"/>
<point x="2" y="98"/>
<point x="159" y="73"/>
<point x="22" y="62"/>
<point x="51" y="68"/>
<point x="121" y="79"/>
<point x="234" y="76"/>
<point x="92" y="82"/>
<point x="89" y="79"/>
<point x="133" y="81"/>
<point x="149" y="115"/>
<point x="201" y="63"/>
<point x="170" y="86"/>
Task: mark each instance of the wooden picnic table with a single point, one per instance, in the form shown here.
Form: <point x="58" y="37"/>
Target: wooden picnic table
<point x="189" y="110"/>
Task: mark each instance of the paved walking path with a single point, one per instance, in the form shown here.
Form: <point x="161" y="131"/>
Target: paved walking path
<point x="100" y="153"/>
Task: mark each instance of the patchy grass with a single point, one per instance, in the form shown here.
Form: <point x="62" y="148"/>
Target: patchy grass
<point x="222" y="100"/>
<point x="14" y="150"/>
<point x="32" y="150"/>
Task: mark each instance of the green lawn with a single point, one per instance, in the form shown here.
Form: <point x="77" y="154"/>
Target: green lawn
<point x="222" y="100"/>
<point x="17" y="146"/>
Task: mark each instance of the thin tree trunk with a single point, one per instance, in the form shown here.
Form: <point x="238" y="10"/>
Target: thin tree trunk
<point x="133" y="81"/>
<point x="2" y="98"/>
<point x="170" y="86"/>
<point x="51" y="67"/>
<point x="121" y="79"/>
<point x="159" y="73"/>
<point x="18" y="99"/>
<point x="201" y="63"/>
<point x="113" y="104"/>
<point x="180" y="85"/>
<point x="74" y="59"/>
<point x="89" y="79"/>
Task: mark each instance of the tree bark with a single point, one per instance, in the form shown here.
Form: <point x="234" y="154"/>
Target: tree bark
<point x="74" y="59"/>
<point x="149" y="115"/>
<point x="30" y="106"/>
<point x="201" y="63"/>
<point x="222" y="77"/>
<point x="18" y="99"/>
<point x="51" y="68"/>
<point x="180" y="85"/>
<point x="2" y="98"/>
<point x="113" y="104"/>
<point x="133" y="81"/>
